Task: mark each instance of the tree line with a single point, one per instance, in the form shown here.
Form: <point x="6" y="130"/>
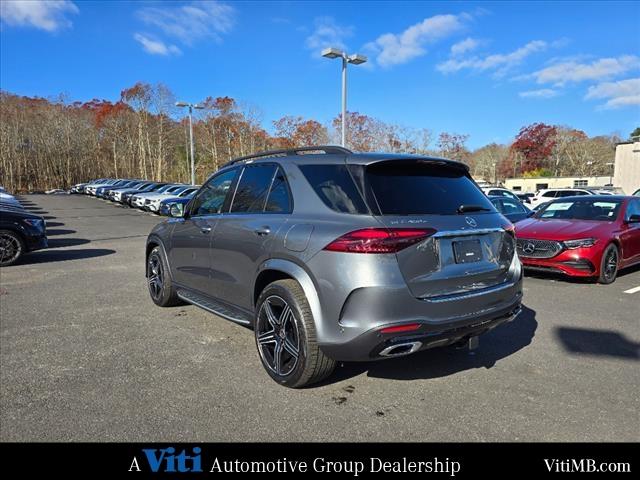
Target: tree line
<point x="55" y="143"/>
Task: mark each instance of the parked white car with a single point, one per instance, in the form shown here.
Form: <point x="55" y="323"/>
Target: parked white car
<point x="499" y="192"/>
<point x="141" y="199"/>
<point x="548" y="194"/>
<point x="153" y="204"/>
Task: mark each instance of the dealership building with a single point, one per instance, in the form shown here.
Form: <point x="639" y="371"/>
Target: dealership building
<point x="522" y="184"/>
<point x="625" y="174"/>
<point x="627" y="166"/>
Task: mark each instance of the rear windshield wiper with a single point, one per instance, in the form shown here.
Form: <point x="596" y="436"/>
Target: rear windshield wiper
<point x="472" y="208"/>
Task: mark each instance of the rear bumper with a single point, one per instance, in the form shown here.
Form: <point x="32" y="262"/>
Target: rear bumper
<point x="374" y="345"/>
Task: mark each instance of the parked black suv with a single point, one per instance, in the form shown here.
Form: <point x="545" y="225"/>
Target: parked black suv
<point x="20" y="232"/>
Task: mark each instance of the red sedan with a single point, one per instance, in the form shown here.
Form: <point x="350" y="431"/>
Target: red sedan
<point x="586" y="236"/>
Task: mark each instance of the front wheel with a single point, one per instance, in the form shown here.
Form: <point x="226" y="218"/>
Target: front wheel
<point x="286" y="336"/>
<point x="11" y="248"/>
<point x="161" y="289"/>
<point x="609" y="265"/>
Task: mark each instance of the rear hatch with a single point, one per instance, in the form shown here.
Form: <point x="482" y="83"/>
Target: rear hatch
<point x="467" y="248"/>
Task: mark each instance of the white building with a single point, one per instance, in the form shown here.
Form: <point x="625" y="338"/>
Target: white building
<point x="525" y="185"/>
<point x="627" y="166"/>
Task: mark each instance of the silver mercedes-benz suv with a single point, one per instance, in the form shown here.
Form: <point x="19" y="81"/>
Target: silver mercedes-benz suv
<point x="331" y="255"/>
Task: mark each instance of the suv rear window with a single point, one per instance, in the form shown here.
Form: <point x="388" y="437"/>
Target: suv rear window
<point x="335" y="187"/>
<point x="417" y="188"/>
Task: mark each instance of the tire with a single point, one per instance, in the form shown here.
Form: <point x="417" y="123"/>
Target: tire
<point x="282" y="307"/>
<point x="609" y="265"/>
<point x="12" y="247"/>
<point x="161" y="289"/>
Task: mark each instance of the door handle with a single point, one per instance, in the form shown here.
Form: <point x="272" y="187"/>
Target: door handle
<point x="262" y="231"/>
<point x="205" y="229"/>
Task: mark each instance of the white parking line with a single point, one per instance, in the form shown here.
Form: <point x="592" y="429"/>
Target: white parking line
<point x="633" y="290"/>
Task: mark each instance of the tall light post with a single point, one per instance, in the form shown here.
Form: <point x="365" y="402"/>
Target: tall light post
<point x="356" y="59"/>
<point x="611" y="172"/>
<point x="193" y="157"/>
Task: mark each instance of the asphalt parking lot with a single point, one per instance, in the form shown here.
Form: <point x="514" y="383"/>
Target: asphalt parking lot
<point x="86" y="356"/>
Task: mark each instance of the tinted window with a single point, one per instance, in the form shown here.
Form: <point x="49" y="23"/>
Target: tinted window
<point x="279" y="200"/>
<point x="417" y="188"/>
<point x="253" y="188"/>
<point x="633" y="209"/>
<point x="582" y="209"/>
<point x="335" y="187"/>
<point x="511" y="206"/>
<point x="549" y="194"/>
<point x="210" y="199"/>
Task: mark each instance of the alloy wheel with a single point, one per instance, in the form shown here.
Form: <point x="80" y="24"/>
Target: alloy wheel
<point x="10" y="248"/>
<point x="155" y="276"/>
<point x="277" y="336"/>
<point x="611" y="264"/>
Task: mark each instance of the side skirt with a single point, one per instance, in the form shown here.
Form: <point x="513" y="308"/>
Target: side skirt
<point x="215" y="306"/>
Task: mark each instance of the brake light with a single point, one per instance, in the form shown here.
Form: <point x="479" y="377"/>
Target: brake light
<point x="379" y="240"/>
<point x="401" y="328"/>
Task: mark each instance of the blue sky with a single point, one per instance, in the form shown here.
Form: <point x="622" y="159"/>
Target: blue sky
<point x="481" y="68"/>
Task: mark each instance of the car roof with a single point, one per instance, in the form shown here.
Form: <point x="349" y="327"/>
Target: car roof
<point x="336" y="155"/>
<point x="591" y="197"/>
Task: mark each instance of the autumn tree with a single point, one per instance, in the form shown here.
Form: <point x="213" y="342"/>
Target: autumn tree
<point x="534" y="144"/>
<point x="453" y="146"/>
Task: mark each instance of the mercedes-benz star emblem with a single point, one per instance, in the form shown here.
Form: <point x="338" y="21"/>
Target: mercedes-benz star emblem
<point x="471" y="221"/>
<point x="529" y="248"/>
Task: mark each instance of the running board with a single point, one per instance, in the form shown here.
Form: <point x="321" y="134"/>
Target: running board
<point x="215" y="307"/>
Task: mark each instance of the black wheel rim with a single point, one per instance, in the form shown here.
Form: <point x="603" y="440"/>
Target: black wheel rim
<point x="10" y="248"/>
<point x="155" y="276"/>
<point x="277" y="336"/>
<point x="610" y="264"/>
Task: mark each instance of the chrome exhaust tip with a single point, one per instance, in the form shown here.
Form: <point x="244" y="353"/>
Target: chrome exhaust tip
<point x="400" y="349"/>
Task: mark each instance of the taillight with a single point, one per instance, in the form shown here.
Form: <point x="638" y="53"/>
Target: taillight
<point x="379" y="240"/>
<point x="409" y="327"/>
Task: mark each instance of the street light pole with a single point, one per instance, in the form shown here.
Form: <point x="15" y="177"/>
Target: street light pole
<point x="191" y="106"/>
<point x="355" y="59"/>
<point x="344" y="101"/>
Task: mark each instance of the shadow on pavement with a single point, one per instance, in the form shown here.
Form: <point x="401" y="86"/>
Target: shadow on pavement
<point x="54" y="224"/>
<point x="601" y="343"/>
<point x="67" y="242"/>
<point x="48" y="256"/>
<point x="495" y="345"/>
<point x="52" y="232"/>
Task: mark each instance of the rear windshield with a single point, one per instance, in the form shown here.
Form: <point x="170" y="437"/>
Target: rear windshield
<point x="415" y="188"/>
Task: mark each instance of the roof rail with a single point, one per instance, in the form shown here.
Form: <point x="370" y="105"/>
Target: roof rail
<point x="326" y="149"/>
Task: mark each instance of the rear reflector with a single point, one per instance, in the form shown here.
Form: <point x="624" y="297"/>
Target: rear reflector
<point x="401" y="328"/>
<point x="379" y="240"/>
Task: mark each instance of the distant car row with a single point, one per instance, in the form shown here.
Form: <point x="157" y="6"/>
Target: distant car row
<point x="156" y="197"/>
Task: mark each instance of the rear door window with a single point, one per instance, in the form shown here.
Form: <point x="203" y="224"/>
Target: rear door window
<point x="419" y="188"/>
<point x="279" y="200"/>
<point x="253" y="188"/>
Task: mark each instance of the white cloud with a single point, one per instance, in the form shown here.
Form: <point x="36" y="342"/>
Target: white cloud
<point x="542" y="93"/>
<point x="48" y="15"/>
<point x="327" y="33"/>
<point x="464" y="46"/>
<point x="576" y="71"/>
<point x="155" y="46"/>
<point x="394" y="49"/>
<point x="500" y="62"/>
<point x="618" y="94"/>
<point x="192" y="22"/>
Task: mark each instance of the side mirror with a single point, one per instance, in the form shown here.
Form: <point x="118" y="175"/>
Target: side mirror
<point x="635" y="218"/>
<point x="177" y="210"/>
